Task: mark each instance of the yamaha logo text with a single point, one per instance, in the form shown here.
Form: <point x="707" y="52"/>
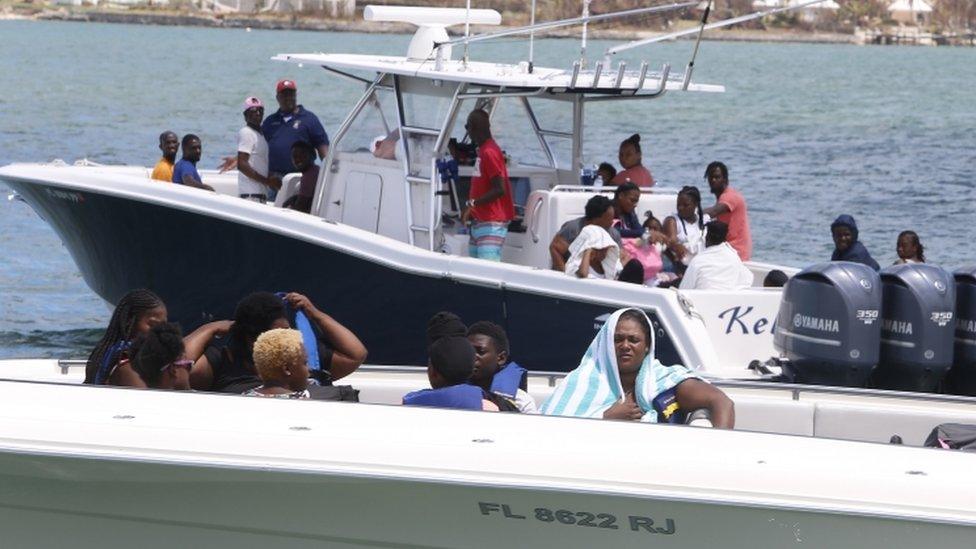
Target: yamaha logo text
<point x="816" y="323"/>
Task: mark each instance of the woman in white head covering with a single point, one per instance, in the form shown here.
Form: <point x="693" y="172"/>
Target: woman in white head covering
<point x="619" y="378"/>
<point x="594" y="254"/>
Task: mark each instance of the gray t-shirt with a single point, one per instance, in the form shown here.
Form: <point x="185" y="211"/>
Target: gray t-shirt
<point x="571" y="229"/>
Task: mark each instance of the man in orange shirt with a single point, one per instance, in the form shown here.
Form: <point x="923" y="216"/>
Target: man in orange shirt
<point x="490" y="207"/>
<point x="729" y="208"/>
<point x="169" y="143"/>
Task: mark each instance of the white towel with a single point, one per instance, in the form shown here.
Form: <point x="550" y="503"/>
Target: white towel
<point x="596" y="238"/>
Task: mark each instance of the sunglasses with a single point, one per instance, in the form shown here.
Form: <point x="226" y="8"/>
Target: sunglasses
<point x="186" y="364"/>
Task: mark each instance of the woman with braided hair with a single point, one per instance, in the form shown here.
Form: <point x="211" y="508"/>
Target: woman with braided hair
<point x="685" y="228"/>
<point x="135" y="315"/>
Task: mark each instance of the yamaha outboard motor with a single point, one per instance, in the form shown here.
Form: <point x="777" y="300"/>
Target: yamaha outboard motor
<point x="916" y="327"/>
<point x="962" y="376"/>
<point x="828" y="326"/>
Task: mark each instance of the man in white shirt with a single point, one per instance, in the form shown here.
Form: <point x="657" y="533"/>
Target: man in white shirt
<point x="718" y="266"/>
<point x="253" y="182"/>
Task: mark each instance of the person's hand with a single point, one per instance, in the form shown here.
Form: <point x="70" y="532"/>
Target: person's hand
<point x="658" y="237"/>
<point x="227" y="163"/>
<point x="466" y="216"/>
<point x="274" y="182"/>
<point x="626" y="409"/>
<point x="299" y="302"/>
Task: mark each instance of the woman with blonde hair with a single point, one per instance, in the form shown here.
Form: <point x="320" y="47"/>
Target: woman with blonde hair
<point x="280" y="359"/>
<point x="281" y="362"/>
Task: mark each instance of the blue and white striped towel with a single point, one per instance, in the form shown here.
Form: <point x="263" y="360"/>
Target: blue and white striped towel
<point x="595" y="385"/>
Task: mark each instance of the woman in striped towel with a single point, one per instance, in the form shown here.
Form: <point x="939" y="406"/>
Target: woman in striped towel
<point x="619" y="378"/>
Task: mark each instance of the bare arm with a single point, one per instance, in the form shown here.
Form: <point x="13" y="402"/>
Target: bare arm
<point x="227" y="164"/>
<point x="189" y="181"/>
<point x="197" y="342"/>
<point x="244" y="166"/>
<point x="693" y="394"/>
<point x="557" y="251"/>
<point x="718" y="209"/>
<point x="671" y="237"/>
<point x="348" y="352"/>
<point x="323" y="150"/>
<point x="497" y="190"/>
<point x="584" y="268"/>
<point x="125" y="376"/>
<point x="201" y="374"/>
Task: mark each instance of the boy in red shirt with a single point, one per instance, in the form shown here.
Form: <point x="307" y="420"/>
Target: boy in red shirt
<point x="490" y="207"/>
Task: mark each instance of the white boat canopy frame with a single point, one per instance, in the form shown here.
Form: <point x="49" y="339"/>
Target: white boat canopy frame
<point x="409" y="79"/>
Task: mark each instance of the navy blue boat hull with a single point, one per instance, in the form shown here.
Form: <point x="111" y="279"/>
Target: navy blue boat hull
<point x="202" y="265"/>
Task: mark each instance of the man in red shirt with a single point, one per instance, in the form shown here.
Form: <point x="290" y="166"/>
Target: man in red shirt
<point x="490" y="207"/>
<point x="729" y="208"/>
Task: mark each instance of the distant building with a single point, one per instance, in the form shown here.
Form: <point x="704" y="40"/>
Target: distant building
<point x="814" y="13"/>
<point x="911" y="12"/>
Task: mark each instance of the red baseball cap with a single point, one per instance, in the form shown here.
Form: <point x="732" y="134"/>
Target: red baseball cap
<point x="286" y="85"/>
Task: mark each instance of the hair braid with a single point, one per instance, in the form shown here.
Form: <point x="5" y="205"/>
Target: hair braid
<point x="132" y="305"/>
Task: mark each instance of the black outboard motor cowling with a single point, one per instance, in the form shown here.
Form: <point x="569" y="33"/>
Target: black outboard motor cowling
<point x="829" y="326"/>
<point x="962" y="376"/>
<point x="916" y="327"/>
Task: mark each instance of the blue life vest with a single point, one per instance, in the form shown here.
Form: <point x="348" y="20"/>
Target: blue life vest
<point x="459" y="397"/>
<point x="111" y="358"/>
<point x="668" y="410"/>
<point x="508" y="380"/>
<point x="309" y="339"/>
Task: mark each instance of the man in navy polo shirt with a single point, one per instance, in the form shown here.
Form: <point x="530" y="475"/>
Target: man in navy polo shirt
<point x="290" y="124"/>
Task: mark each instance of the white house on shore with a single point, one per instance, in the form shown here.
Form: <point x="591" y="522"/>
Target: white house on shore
<point x="911" y="12"/>
<point x="809" y="14"/>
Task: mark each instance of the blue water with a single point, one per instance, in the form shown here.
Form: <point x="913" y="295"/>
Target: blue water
<point x="887" y="134"/>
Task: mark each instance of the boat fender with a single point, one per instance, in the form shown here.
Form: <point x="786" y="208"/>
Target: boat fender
<point x="509" y="380"/>
<point x="461" y="397"/>
<point x="111" y="358"/>
<point x="309" y="339"/>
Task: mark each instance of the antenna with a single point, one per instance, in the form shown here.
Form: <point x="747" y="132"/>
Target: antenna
<point x="694" y="54"/>
<point x="566" y="22"/>
<point x="585" y="18"/>
<point x="532" y="39"/>
<point x="467" y="30"/>
<point x="718" y="24"/>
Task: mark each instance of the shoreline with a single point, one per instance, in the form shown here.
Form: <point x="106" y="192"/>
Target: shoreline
<point x="315" y="24"/>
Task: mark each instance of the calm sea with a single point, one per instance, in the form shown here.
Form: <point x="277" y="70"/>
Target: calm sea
<point x="887" y="134"/>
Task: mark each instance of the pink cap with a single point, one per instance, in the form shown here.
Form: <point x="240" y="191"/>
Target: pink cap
<point x="252" y="102"/>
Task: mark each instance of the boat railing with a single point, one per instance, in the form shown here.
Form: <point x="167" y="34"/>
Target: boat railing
<point x="608" y="189"/>
<point x="553" y="378"/>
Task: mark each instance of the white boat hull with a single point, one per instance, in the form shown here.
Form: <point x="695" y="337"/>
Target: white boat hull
<point x="66" y="501"/>
<point x="85" y="466"/>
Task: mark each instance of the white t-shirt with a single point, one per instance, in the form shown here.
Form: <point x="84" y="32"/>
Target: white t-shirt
<point x="690" y="235"/>
<point x="251" y="141"/>
<point x="525" y="403"/>
<point x="717" y="268"/>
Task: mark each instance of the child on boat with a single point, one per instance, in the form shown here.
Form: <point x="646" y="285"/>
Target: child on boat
<point x="909" y="248"/>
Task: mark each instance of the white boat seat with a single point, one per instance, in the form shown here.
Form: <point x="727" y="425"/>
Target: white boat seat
<point x="875" y="423"/>
<point x="289" y="187"/>
<point x="787" y="417"/>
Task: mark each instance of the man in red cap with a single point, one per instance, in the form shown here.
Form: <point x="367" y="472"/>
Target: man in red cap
<point x="290" y="124"/>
